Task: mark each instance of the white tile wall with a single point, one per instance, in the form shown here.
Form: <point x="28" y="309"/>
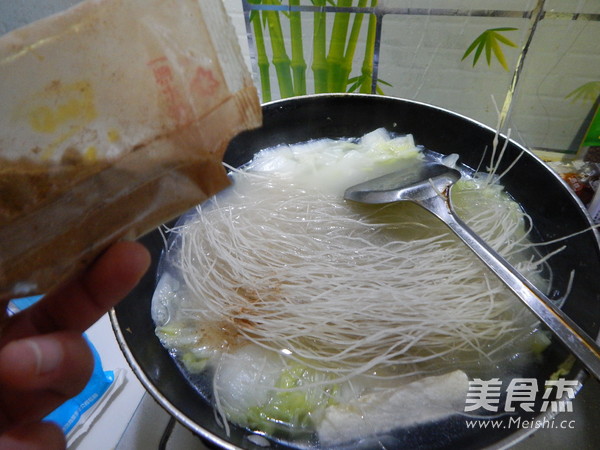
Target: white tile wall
<point x="580" y="6"/>
<point x="421" y="57"/>
<point x="564" y="55"/>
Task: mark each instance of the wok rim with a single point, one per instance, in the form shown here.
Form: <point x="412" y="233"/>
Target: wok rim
<point x="212" y="439"/>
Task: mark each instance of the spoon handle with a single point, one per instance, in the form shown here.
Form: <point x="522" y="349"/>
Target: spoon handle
<point x="567" y="331"/>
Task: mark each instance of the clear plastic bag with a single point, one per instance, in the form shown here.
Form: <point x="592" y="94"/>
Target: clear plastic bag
<point x="114" y="117"/>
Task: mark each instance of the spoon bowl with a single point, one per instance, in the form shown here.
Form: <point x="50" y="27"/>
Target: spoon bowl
<point x="428" y="184"/>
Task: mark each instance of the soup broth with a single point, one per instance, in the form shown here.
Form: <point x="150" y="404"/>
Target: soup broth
<point x="305" y="317"/>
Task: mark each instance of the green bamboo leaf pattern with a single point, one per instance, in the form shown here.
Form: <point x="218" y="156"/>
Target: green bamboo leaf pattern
<point x="367" y="64"/>
<point x="499" y="55"/>
<point x="355" y="83"/>
<point x="477" y="52"/>
<point x="261" y="53"/>
<point x="587" y="92"/>
<point x="504" y="39"/>
<point x="298" y="63"/>
<point x="332" y="59"/>
<point x="474" y="44"/>
<point x="319" y="64"/>
<point x="488" y="53"/>
<point x="337" y="47"/>
<point x="351" y="46"/>
<point x="490" y="41"/>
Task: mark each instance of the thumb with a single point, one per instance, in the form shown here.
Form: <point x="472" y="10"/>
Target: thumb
<point x="38" y="374"/>
<point x="60" y="362"/>
<point x="34" y="436"/>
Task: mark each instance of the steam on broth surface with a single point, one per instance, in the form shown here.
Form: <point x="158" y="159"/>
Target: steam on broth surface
<point x="314" y="318"/>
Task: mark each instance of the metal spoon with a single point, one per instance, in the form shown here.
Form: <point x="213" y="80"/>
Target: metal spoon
<point x="428" y="185"/>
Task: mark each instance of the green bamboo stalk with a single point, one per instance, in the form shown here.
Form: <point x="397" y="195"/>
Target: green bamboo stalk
<point x="281" y="60"/>
<point x="261" y="56"/>
<point x="367" y="66"/>
<point x="319" y="64"/>
<point x="298" y="63"/>
<point x="351" y="47"/>
<point x="337" y="47"/>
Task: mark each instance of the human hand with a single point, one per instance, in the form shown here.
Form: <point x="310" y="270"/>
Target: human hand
<point x="44" y="359"/>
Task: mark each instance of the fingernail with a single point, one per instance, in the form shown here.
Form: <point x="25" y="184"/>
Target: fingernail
<point x="48" y="354"/>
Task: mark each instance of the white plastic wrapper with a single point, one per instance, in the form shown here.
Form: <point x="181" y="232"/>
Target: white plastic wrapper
<point x="114" y="116"/>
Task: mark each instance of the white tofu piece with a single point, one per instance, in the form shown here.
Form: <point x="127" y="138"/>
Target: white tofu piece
<point x="421" y="401"/>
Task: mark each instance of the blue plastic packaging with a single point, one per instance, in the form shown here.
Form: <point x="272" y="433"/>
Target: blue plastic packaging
<point x="70" y="413"/>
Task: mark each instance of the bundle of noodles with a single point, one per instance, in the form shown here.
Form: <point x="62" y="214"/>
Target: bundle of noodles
<point x="281" y="273"/>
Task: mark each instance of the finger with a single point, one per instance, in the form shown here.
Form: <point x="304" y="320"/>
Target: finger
<point x="38" y="374"/>
<point x="60" y="362"/>
<point x="82" y="302"/>
<point x="34" y="436"/>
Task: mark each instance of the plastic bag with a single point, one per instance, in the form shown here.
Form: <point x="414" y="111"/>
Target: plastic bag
<point x="78" y="414"/>
<point x="114" y="117"/>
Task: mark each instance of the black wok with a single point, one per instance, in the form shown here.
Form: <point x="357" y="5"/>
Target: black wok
<point x="556" y="212"/>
